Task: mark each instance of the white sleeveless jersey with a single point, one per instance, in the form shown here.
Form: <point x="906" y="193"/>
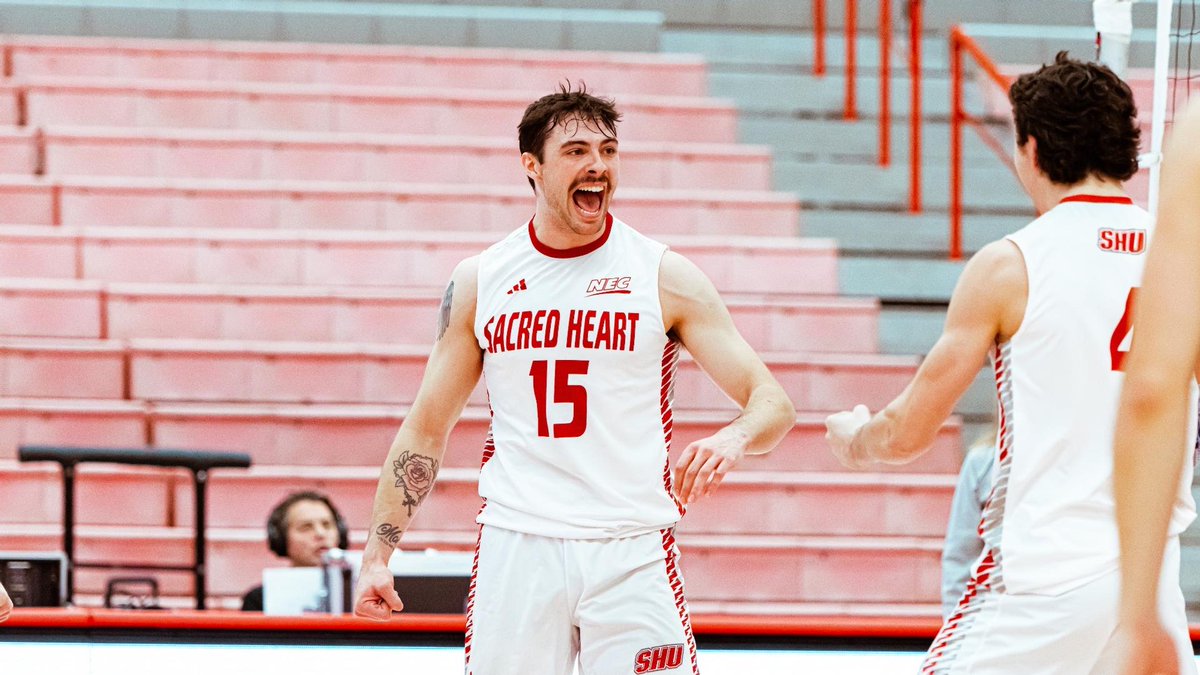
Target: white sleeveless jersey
<point x="1049" y="524"/>
<point x="579" y="373"/>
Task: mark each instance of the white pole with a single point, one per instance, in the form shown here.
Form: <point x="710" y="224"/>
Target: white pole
<point x="1162" y="56"/>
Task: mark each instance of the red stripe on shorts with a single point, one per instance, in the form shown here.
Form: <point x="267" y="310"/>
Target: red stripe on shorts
<point x="940" y="658"/>
<point x="470" y="631"/>
<point x="676" y="581"/>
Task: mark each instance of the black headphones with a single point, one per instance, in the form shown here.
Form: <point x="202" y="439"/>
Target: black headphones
<point x="277" y="522"/>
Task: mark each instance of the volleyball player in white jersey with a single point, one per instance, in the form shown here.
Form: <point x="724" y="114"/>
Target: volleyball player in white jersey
<point x="1051" y="305"/>
<point x="576" y="321"/>
<point x="1153" y="439"/>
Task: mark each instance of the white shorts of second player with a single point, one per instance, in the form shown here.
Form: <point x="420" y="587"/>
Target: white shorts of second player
<point x="539" y="603"/>
<point x="1073" y="633"/>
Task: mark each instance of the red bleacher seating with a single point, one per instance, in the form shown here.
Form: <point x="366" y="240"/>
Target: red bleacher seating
<point x="62" y="369"/>
<point x="293" y="205"/>
<point x="84" y="423"/>
<point x="84" y="309"/>
<point x="359" y="435"/>
<point x="771" y="568"/>
<point x="270" y="155"/>
<point x="750" y="502"/>
<point x="300" y="107"/>
<point x="268" y="372"/>
<point x="51" y="308"/>
<point x="779" y="267"/>
<point x="508" y="69"/>
<point x="104" y="495"/>
<point x="18" y="148"/>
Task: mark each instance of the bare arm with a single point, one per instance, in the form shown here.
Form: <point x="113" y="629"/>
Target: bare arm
<point x="1149" y="446"/>
<point x="987" y="306"/>
<point x="416" y="454"/>
<point x="693" y="312"/>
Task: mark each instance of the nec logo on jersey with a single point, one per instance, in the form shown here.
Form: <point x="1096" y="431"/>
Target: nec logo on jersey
<point x="654" y="659"/>
<point x="608" y="285"/>
<point x="1122" y="241"/>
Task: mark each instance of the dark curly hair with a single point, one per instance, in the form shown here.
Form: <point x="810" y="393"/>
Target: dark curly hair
<point x="553" y="109"/>
<point x="1083" y="117"/>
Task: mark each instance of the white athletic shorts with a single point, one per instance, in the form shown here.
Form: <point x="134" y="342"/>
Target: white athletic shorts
<point x="537" y="604"/>
<point x="1073" y="633"/>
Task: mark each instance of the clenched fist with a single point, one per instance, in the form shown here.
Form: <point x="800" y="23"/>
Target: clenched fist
<point x="840" y="430"/>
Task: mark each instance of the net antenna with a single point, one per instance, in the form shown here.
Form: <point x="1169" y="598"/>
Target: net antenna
<point x="1114" y="32"/>
<point x="1114" y="28"/>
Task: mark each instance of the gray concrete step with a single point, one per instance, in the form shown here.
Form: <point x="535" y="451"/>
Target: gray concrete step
<point x="1027" y="45"/>
<point x="805" y="95"/>
<point x="834" y="139"/>
<point x="941" y="14"/>
<point x="797" y="14"/>
<point x="987" y="185"/>
<point x="914" y="330"/>
<point x="447" y="24"/>
<point x="1022" y="44"/>
<point x="910" y="329"/>
<point x="772" y="14"/>
<point x="795" y="51"/>
<point x="899" y="280"/>
<point x="890" y="232"/>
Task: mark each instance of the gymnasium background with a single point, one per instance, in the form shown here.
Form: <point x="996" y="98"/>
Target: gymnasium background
<point x="225" y="226"/>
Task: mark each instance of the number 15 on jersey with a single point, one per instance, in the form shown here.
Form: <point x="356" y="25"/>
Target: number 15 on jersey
<point x="564" y="392"/>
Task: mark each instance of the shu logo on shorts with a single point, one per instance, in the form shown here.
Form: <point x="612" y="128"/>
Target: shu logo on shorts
<point x="1121" y="241"/>
<point x="607" y="285"/>
<point x="654" y="659"/>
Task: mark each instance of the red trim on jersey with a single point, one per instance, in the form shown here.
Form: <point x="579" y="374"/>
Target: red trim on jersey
<point x="676" y="581"/>
<point x="489" y="443"/>
<point x="669" y="360"/>
<point x="489" y="448"/>
<point x="1097" y="199"/>
<point x="991" y="569"/>
<point x="571" y="252"/>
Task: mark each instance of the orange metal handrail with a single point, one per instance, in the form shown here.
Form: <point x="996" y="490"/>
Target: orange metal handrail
<point x="819" y="38"/>
<point x="850" y="109"/>
<point x="915" y="20"/>
<point x="885" y="82"/>
<point x="850" y="102"/>
<point x="960" y="42"/>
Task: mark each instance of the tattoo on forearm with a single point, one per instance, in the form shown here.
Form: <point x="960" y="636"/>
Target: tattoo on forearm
<point x="414" y="474"/>
<point x="444" y="312"/>
<point x="389" y="534"/>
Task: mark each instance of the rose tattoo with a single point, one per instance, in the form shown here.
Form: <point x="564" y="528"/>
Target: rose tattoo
<point x="414" y="474"/>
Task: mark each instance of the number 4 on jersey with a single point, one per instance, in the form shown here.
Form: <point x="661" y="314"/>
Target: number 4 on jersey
<point x="564" y="392"/>
<point x="1121" y="332"/>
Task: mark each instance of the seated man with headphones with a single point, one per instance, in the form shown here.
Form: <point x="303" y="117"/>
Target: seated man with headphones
<point x="301" y="528"/>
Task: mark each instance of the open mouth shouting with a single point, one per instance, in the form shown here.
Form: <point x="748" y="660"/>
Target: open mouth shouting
<point x="589" y="199"/>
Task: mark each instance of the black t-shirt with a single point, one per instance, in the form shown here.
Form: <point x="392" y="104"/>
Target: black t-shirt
<point x="252" y="601"/>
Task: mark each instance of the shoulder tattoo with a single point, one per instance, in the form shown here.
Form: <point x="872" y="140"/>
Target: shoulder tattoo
<point x="444" y="312"/>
